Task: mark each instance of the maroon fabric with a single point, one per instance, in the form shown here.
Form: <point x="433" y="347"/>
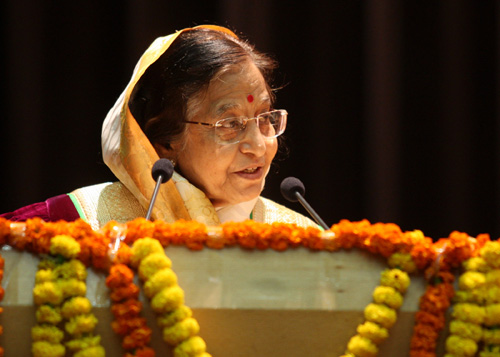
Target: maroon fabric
<point x="54" y="209"/>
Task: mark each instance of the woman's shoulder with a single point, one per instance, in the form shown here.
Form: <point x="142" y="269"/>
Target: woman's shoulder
<point x="54" y="209"/>
<point x="268" y="211"/>
<point x="109" y="201"/>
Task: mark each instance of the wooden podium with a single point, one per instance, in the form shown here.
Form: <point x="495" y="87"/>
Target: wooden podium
<point x="248" y="302"/>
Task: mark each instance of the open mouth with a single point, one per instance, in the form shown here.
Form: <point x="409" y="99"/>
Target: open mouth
<point x="250" y="170"/>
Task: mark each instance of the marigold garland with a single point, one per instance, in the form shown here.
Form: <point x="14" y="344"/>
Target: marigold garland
<point x="381" y="315"/>
<point x="126" y="309"/>
<point x="59" y="294"/>
<point x="180" y="330"/>
<point x="476" y="314"/>
<point x="430" y="319"/>
<point x="104" y="248"/>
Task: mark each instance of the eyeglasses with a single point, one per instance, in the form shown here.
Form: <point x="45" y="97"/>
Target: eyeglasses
<point x="231" y="130"/>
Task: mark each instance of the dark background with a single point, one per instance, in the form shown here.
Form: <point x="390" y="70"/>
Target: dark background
<point x="394" y="105"/>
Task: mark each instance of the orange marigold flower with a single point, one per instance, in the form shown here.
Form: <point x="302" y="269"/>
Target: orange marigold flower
<point x="126" y="310"/>
<point x="119" y="275"/>
<point x="139" y="228"/>
<point x="4" y="230"/>
<point x="138" y="338"/>
<point x="437" y="322"/>
<point x="125" y="326"/>
<point x="126" y="292"/>
<point x="123" y="255"/>
<point x="481" y="240"/>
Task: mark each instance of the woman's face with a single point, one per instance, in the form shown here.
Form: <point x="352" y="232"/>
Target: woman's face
<point x="231" y="173"/>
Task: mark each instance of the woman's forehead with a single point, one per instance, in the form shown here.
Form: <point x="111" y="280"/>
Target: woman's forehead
<point x="236" y="86"/>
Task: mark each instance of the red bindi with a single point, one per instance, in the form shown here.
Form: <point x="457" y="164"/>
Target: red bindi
<point x="250" y="98"/>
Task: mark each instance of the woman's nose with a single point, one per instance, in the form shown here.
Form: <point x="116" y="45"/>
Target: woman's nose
<point x="253" y="141"/>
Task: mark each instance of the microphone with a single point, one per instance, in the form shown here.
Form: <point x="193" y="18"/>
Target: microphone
<point x="162" y="171"/>
<point x="293" y="190"/>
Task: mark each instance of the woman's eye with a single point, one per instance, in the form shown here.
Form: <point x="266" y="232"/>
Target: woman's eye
<point x="232" y="123"/>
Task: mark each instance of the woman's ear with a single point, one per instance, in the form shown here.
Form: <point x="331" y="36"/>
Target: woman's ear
<point x="163" y="152"/>
<point x="172" y="153"/>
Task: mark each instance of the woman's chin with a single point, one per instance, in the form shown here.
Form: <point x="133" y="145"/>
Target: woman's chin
<point x="239" y="196"/>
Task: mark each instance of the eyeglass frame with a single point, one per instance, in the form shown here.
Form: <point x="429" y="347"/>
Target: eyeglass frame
<point x="245" y="121"/>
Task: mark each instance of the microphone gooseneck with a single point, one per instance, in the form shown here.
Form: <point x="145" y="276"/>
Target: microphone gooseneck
<point x="293" y="190"/>
<point x="162" y="171"/>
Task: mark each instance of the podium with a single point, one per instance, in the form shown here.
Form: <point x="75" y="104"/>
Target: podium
<point x="248" y="302"/>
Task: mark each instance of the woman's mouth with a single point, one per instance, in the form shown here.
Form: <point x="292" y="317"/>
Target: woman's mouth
<point x="251" y="172"/>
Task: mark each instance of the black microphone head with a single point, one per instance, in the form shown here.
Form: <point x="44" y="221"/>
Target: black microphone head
<point x="164" y="168"/>
<point x="290" y="186"/>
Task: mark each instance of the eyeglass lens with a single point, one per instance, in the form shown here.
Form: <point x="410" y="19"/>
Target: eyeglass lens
<point x="271" y="124"/>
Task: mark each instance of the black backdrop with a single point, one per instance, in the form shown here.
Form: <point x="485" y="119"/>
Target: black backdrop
<point x="394" y="105"/>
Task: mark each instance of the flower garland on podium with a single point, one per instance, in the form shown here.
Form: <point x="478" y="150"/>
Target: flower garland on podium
<point x="121" y="249"/>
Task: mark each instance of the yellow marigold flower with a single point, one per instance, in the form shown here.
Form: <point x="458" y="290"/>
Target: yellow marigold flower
<point x="81" y="324"/>
<point x="95" y="351"/>
<point x="77" y="305"/>
<point x="471" y="280"/>
<point x="44" y="275"/>
<point x="179" y="314"/>
<point x="491" y="254"/>
<point x="464" y="296"/>
<point x="475" y="264"/>
<point x="493" y="277"/>
<point x="193" y="346"/>
<point x="83" y="343"/>
<point x="479" y="295"/>
<point x="47" y="293"/>
<point x="460" y="346"/>
<point x="491" y="336"/>
<point x="380" y="314"/>
<point x="402" y="261"/>
<point x="396" y="279"/>
<point x="46" y="332"/>
<point x="142" y="248"/>
<point x="388" y="296"/>
<point x="181" y="331"/>
<point x="72" y="287"/>
<point x="48" y="314"/>
<point x="492" y="316"/>
<point x="466" y="330"/>
<point x="373" y="331"/>
<point x="152" y="263"/>
<point x="492" y="295"/>
<point x="167" y="299"/>
<point x="159" y="280"/>
<point x="362" y="347"/>
<point x="64" y="245"/>
<point x="469" y="313"/>
<point x="73" y="269"/>
<point x="47" y="349"/>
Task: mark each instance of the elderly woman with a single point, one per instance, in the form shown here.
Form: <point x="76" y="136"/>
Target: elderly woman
<point x="201" y="98"/>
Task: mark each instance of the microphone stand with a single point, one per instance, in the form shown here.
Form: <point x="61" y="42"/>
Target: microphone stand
<point x="153" y="198"/>
<point x="311" y="211"/>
